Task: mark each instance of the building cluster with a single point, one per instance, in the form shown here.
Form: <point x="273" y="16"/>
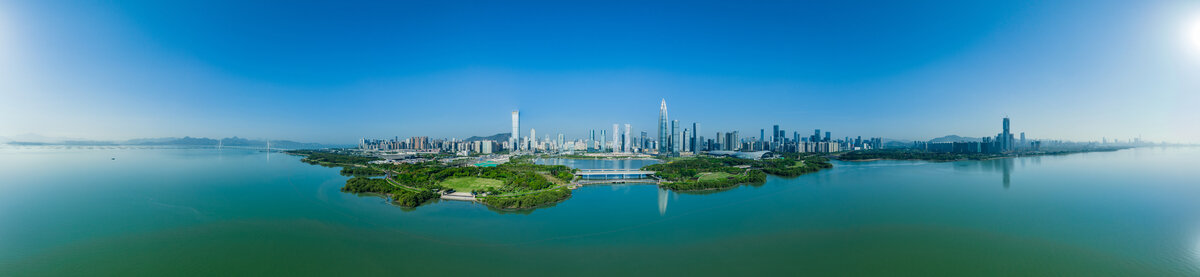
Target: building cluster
<point x="424" y="144"/>
<point x="1002" y="143"/>
<point x="673" y="141"/>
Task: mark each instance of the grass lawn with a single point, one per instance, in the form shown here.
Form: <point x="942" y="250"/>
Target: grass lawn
<point x="708" y="176"/>
<point x="467" y="184"/>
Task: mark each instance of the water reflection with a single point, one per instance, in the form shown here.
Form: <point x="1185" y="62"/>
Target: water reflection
<point x="662" y="200"/>
<point x="1003" y="166"/>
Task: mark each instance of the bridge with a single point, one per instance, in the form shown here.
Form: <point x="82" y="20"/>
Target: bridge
<point x="613" y="174"/>
<point x="616" y="181"/>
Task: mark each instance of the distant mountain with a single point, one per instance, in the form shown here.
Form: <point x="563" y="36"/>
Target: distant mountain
<point x="955" y="138"/>
<point x="184" y="141"/>
<point x="496" y="137"/>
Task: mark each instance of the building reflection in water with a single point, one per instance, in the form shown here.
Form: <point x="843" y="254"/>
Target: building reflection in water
<point x="1003" y="166"/>
<point x="662" y="200"/>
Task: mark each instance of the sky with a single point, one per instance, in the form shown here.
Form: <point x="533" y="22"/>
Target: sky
<point x="338" y="71"/>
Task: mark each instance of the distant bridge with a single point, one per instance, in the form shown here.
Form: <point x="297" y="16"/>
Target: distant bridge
<point x="616" y="181"/>
<point x="613" y="174"/>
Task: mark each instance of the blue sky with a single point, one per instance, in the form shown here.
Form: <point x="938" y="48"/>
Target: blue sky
<point x="335" y="72"/>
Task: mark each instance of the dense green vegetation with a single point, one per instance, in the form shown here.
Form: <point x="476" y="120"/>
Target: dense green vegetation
<point x="705" y="173"/>
<point x="529" y="200"/>
<point x="362" y="184"/>
<point x="517" y="176"/>
<point x="399" y="196"/>
<point x="321" y="157"/>
<point x="361" y="171"/>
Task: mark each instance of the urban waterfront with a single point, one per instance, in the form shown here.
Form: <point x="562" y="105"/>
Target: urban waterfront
<point x="201" y="211"/>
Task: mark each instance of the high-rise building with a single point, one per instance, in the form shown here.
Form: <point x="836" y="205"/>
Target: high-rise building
<point x="695" y="137"/>
<point x="628" y="139"/>
<point x="602" y="142"/>
<point x="616" y="147"/>
<point x="686" y="142"/>
<point x="663" y="133"/>
<point x="592" y="139"/>
<point x="816" y="137"/>
<point x="533" y="142"/>
<point x="775" y="134"/>
<point x="828" y="137"/>
<point x="675" y="147"/>
<point x="1006" y="138"/>
<point x="516" y="129"/>
<point x="762" y="134"/>
<point x="645" y="144"/>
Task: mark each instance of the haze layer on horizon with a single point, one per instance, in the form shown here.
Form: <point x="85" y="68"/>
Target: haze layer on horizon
<point x="336" y="72"/>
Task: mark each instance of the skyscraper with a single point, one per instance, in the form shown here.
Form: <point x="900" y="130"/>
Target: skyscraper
<point x="516" y="130"/>
<point x="675" y="136"/>
<point x="663" y="133"/>
<point x="1006" y="138"/>
<point x="695" y="137"/>
<point x="775" y="134"/>
<point x="628" y="139"/>
<point x="532" y="139"/>
<point x="686" y="142"/>
<point x="602" y="142"/>
<point x="762" y="134"/>
<point x="616" y="138"/>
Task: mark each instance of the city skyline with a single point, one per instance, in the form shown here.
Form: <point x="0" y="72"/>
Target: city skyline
<point x="112" y="71"/>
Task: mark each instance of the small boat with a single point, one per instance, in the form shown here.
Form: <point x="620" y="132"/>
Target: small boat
<point x="114" y="159"/>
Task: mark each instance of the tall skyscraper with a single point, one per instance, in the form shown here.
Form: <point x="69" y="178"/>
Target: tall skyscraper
<point x="645" y="144"/>
<point x="603" y="136"/>
<point x="663" y="133"/>
<point x="762" y="134"/>
<point x="695" y="137"/>
<point x="616" y="138"/>
<point x="516" y="130"/>
<point x="1006" y="137"/>
<point x="686" y="142"/>
<point x="628" y="139"/>
<point x="592" y="139"/>
<point x="675" y="136"/>
<point x="532" y="139"/>
<point x="775" y="134"/>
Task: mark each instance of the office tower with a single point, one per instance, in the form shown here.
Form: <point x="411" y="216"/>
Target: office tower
<point x="616" y="134"/>
<point x="695" y="137"/>
<point x="533" y="139"/>
<point x="1005" y="137"/>
<point x="592" y="139"/>
<point x="685" y="140"/>
<point x="816" y="137"/>
<point x="628" y="138"/>
<point x="775" y="134"/>
<point x="645" y="144"/>
<point x="675" y="136"/>
<point x="602" y="142"/>
<point x="762" y="134"/>
<point x="562" y="142"/>
<point x="1022" y="139"/>
<point x="663" y="133"/>
<point x="516" y="129"/>
<point x="827" y="137"/>
<point x="719" y="142"/>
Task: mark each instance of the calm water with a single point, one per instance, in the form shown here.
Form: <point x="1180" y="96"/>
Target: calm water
<point x="162" y="212"/>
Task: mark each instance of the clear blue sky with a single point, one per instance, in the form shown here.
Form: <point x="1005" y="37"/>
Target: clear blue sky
<point x="335" y="72"/>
